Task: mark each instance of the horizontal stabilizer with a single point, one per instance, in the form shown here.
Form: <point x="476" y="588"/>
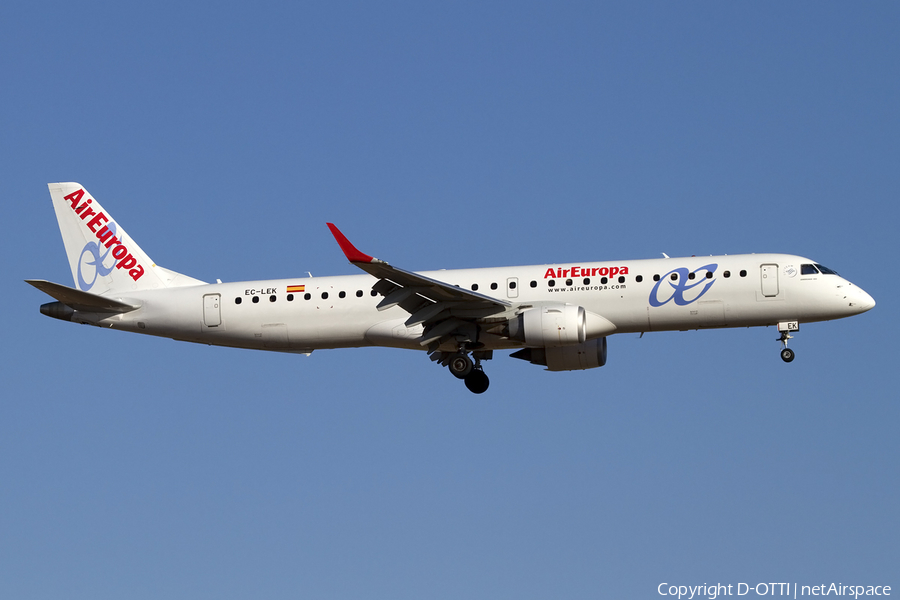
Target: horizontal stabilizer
<point x="83" y="301"/>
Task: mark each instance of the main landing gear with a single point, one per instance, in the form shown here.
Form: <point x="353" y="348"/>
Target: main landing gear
<point x="477" y="381"/>
<point x="787" y="355"/>
<point x="467" y="368"/>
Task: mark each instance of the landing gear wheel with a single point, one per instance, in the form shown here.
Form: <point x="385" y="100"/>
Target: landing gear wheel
<point x="461" y="366"/>
<point x="477" y="381"/>
<point x="787" y="355"/>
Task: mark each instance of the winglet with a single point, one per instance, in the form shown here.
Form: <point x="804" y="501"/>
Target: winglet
<point x="350" y="251"/>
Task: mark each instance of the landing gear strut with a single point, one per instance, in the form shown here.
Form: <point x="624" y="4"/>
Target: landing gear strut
<point x="465" y="367"/>
<point x="787" y="355"/>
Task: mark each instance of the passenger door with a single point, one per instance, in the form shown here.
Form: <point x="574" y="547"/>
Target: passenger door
<point x="212" y="315"/>
<point x="769" y="280"/>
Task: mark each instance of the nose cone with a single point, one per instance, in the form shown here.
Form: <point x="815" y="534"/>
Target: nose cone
<point x="860" y="301"/>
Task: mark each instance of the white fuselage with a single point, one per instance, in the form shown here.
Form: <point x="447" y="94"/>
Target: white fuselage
<point x="635" y="296"/>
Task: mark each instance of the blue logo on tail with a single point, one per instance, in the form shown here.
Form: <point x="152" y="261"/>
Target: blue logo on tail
<point x="100" y="270"/>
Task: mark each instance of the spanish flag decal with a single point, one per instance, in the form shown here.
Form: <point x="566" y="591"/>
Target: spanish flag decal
<point x="296" y="288"/>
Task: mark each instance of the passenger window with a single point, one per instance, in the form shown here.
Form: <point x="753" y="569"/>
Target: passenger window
<point x="603" y="280"/>
<point x="551" y="283"/>
<point x="691" y="275"/>
<point x="587" y="281"/>
<point x="621" y="279"/>
<point x="342" y="295"/>
<point x="493" y="286"/>
<point x="474" y="287"/>
<point x="639" y="278"/>
<point x="374" y="293"/>
<point x="307" y="296"/>
<point x="359" y="293"/>
<point x="272" y="298"/>
<point x="743" y="273"/>
<point x="709" y="275"/>
<point x="533" y="283"/>
<point x="512" y="285"/>
<point x="674" y="276"/>
<point x="290" y="297"/>
<point x="255" y="299"/>
<point x="568" y="282"/>
<point x="726" y="274"/>
<point x="237" y="300"/>
<point x="324" y="295"/>
<point x="656" y="278"/>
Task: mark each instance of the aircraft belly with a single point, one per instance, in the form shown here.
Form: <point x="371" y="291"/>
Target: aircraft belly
<point x="706" y="314"/>
<point x="328" y="329"/>
<point x="395" y="334"/>
<point x="625" y="315"/>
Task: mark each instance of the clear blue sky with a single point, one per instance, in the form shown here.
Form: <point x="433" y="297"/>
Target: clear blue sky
<point x="223" y="136"/>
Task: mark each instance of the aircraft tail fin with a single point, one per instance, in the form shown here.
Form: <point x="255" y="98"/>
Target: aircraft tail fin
<point x="104" y="259"/>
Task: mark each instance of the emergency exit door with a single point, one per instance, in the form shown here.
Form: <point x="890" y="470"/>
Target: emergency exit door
<point x="512" y="287"/>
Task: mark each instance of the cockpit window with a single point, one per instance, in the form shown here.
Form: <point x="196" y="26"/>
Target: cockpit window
<point x="825" y="270"/>
<point x="808" y="270"/>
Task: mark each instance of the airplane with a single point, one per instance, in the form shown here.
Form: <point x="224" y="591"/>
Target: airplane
<point x="556" y="315"/>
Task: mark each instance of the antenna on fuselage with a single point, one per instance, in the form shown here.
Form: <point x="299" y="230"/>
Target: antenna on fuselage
<point x="664" y="254"/>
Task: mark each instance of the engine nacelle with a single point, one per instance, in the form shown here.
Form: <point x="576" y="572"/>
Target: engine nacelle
<point x="588" y="355"/>
<point x="550" y="325"/>
<point x="554" y="325"/>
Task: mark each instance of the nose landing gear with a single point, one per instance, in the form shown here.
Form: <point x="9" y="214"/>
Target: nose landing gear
<point x="787" y="355"/>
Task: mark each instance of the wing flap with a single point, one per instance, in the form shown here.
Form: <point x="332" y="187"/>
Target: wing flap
<point x="396" y="297"/>
<point x="425" y="314"/>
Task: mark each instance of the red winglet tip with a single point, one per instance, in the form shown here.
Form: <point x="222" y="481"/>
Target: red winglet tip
<point x="350" y="251"/>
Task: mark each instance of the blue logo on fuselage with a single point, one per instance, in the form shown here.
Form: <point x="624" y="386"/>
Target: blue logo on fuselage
<point x="683" y="285"/>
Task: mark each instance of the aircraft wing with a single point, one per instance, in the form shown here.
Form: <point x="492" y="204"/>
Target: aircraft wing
<point x="79" y="300"/>
<point x="430" y="302"/>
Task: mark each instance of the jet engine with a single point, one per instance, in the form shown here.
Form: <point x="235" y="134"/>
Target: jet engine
<point x="550" y="325"/>
<point x="588" y="355"/>
<point x="556" y="325"/>
<point x="561" y="337"/>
